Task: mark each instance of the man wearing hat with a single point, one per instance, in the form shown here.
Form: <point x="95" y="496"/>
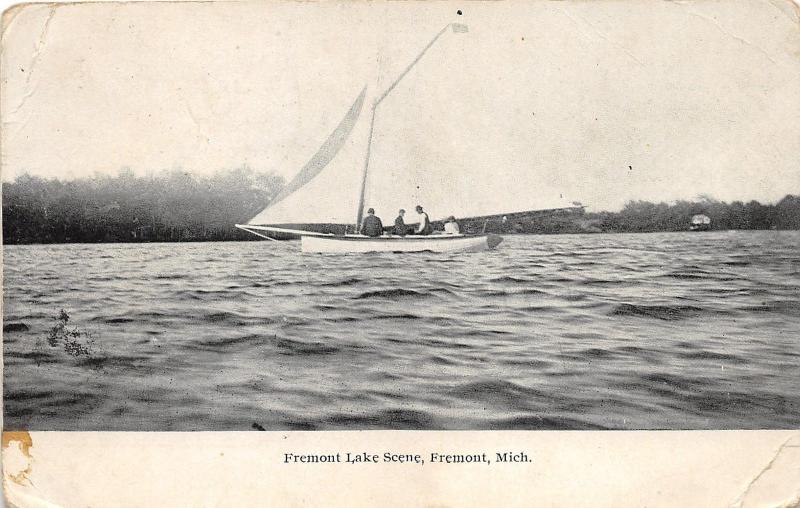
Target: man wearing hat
<point x="400" y="227"/>
<point x="371" y="225"/>
<point x="423" y="222"/>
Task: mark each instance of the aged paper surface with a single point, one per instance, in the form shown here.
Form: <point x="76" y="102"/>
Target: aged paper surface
<point x="95" y="87"/>
<point x="752" y="468"/>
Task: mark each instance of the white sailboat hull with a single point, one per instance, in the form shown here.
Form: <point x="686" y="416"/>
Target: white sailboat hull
<point x="432" y="243"/>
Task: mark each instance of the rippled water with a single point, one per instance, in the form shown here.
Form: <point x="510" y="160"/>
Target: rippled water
<point x="651" y="331"/>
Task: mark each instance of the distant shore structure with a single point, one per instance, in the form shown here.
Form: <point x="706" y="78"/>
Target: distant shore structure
<point x="700" y="222"/>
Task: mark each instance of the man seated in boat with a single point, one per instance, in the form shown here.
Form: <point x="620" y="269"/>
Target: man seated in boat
<point x="424" y="226"/>
<point x="400" y="228"/>
<point x="371" y="225"/>
<point x="451" y="226"/>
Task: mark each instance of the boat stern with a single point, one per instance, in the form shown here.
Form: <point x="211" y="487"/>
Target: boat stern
<point x="493" y="241"/>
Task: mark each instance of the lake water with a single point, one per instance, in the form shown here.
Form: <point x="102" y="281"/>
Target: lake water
<point x="649" y="331"/>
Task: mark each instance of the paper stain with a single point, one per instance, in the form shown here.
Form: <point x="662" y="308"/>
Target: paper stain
<point x="24" y="445"/>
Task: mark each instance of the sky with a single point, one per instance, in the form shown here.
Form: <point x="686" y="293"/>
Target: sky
<point x="598" y="102"/>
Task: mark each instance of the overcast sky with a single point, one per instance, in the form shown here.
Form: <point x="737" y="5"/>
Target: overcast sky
<point x="601" y="101"/>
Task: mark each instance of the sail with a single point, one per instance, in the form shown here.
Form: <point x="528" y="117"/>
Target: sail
<point x="443" y="138"/>
<point x="315" y="196"/>
<point x="448" y="140"/>
<point x="460" y="190"/>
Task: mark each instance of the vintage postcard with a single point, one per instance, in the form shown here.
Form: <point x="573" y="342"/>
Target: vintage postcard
<point x="401" y="253"/>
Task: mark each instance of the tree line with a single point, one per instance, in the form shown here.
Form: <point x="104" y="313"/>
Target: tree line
<point x="643" y="216"/>
<point x="165" y="207"/>
<point x="177" y="206"/>
<point x="646" y="217"/>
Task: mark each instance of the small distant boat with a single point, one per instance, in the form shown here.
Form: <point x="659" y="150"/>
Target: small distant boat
<point x="700" y="222"/>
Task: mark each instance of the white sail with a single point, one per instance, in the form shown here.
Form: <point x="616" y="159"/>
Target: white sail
<point x="325" y="190"/>
<point x="444" y="139"/>
<point x="456" y="187"/>
<point x="428" y="147"/>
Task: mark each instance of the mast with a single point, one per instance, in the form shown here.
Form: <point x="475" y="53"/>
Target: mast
<point x="457" y="28"/>
<point x="360" y="214"/>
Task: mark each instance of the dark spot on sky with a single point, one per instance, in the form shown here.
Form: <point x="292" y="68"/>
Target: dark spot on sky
<point x="630" y="168"/>
<point x="458" y="12"/>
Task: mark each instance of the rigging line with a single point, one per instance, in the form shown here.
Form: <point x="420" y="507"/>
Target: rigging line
<point x="412" y="64"/>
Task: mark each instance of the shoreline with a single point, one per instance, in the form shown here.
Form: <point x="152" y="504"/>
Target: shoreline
<point x="256" y="239"/>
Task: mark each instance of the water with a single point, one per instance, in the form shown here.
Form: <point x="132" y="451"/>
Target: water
<point x="652" y="331"/>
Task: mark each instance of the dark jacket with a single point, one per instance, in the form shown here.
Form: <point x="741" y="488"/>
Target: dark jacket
<point x="427" y="227"/>
<point x="372" y="226"/>
<point x="400" y="227"/>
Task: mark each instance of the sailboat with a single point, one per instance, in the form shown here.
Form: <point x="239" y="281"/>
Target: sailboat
<point x="316" y="205"/>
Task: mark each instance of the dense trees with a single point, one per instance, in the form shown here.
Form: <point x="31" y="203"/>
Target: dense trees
<point x="169" y="206"/>
<point x="642" y="216"/>
<point x="178" y="206"/>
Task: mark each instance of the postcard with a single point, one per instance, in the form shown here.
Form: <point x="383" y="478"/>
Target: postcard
<point x="518" y="253"/>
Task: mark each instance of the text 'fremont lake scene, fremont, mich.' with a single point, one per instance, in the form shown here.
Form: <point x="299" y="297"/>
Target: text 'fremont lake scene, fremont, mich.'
<point x="460" y="219"/>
